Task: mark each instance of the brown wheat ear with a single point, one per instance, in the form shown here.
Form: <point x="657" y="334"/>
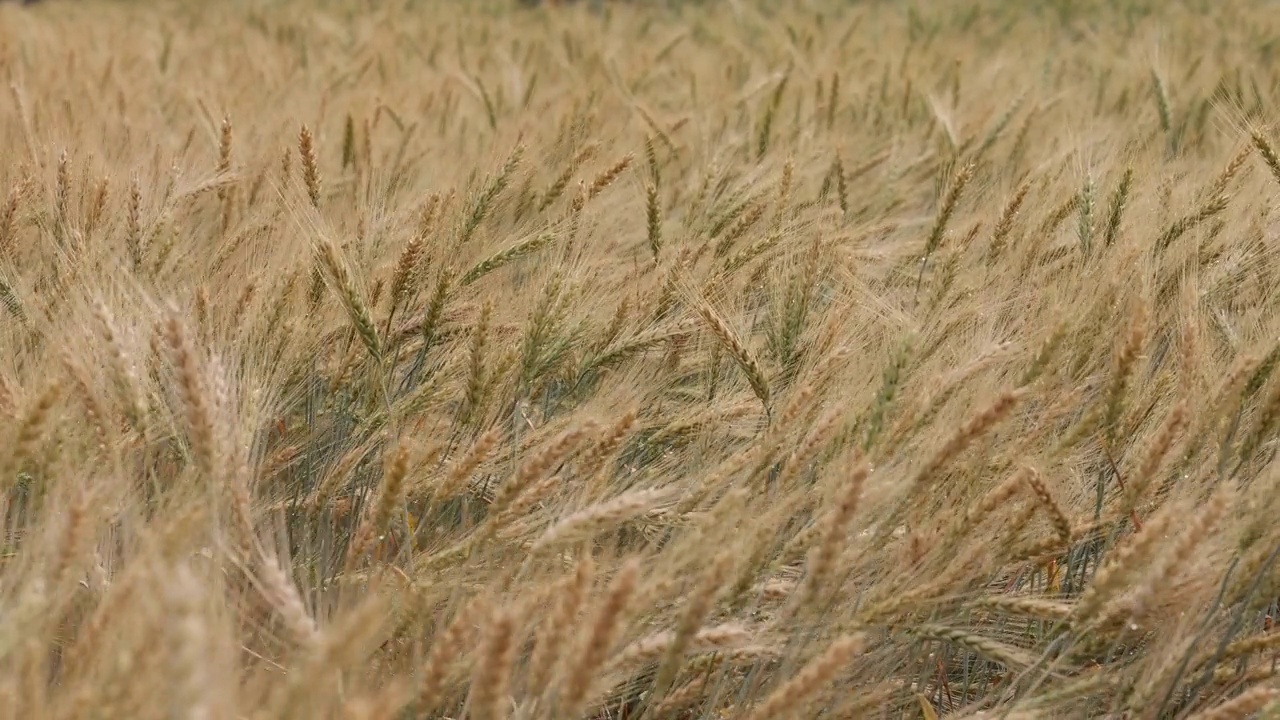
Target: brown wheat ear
<point x="1057" y="516"/>
<point x="192" y="391"/>
<point x="599" y="640"/>
<point x="310" y="165"/>
<point x="491" y="680"/>
<point x="798" y="691"/>
<point x="744" y="357"/>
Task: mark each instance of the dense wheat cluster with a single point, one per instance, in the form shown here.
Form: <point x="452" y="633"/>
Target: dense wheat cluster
<point x="741" y="360"/>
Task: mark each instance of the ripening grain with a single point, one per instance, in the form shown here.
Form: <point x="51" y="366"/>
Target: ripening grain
<point x="688" y="360"/>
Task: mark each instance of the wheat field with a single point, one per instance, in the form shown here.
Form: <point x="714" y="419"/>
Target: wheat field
<point x="732" y="359"/>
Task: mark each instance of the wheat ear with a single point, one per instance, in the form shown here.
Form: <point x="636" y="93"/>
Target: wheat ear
<point x="599" y="640"/>
<point x="789" y="698"/>
<point x="746" y="359"/>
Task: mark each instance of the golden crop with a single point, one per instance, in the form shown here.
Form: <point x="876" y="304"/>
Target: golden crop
<point x="733" y="359"/>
